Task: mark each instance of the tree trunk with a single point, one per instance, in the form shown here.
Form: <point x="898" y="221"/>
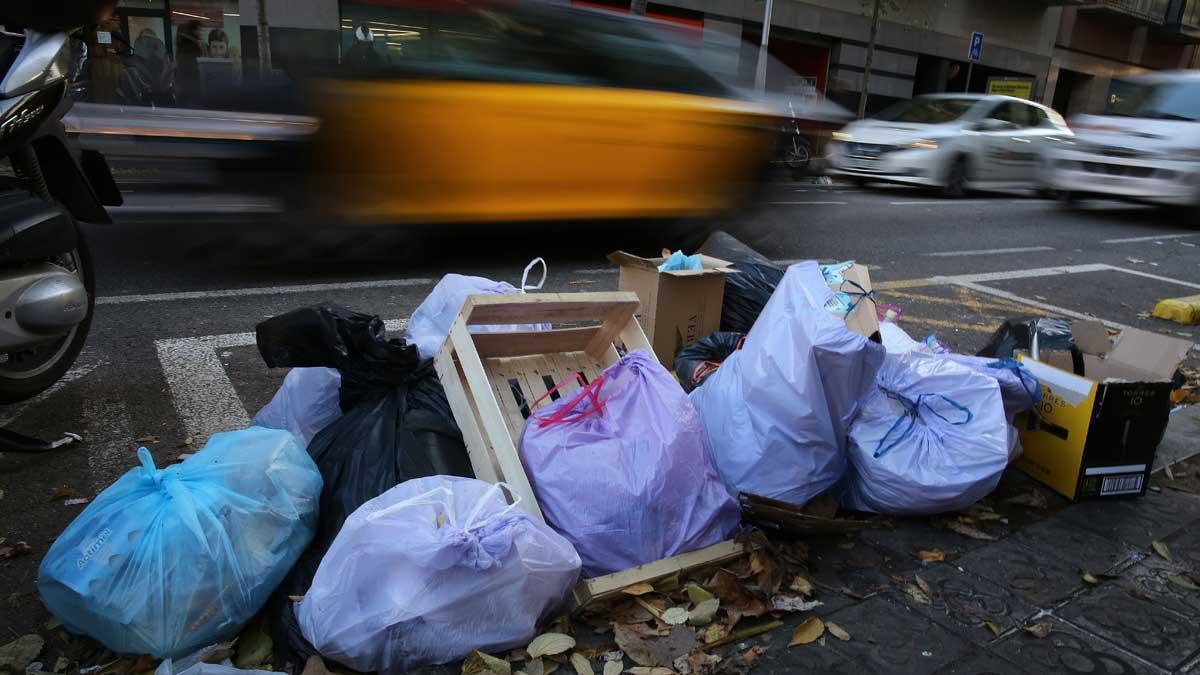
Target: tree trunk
<point x="866" y="82"/>
<point x="264" y="41"/>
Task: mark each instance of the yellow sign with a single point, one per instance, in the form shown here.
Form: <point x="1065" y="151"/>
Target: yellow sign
<point x="1018" y="88"/>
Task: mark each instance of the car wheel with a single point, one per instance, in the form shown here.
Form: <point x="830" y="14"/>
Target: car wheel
<point x="1067" y="200"/>
<point x="955" y="186"/>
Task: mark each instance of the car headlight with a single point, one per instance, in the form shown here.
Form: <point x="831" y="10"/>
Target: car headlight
<point x="841" y="136"/>
<point x="924" y="144"/>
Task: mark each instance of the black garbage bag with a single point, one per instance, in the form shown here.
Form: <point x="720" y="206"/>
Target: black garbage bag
<point x="396" y="425"/>
<point x="1019" y="333"/>
<point x="695" y="362"/>
<point x="747" y="292"/>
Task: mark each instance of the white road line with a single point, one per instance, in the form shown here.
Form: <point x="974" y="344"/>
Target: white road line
<point x="943" y="202"/>
<point x="1013" y="297"/>
<point x="1023" y="249"/>
<point x="800" y="203"/>
<point x="74" y="374"/>
<point x="205" y="399"/>
<point x="1156" y="277"/>
<point x="266" y="290"/>
<point x="1131" y="240"/>
<point x="1022" y="274"/>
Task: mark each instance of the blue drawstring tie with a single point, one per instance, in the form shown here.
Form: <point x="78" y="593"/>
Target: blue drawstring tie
<point x="912" y="410"/>
<point x="1028" y="380"/>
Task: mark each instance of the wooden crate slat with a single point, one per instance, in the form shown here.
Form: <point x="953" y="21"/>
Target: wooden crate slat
<point x="534" y="342"/>
<point x="466" y="415"/>
<point x="499" y="377"/>
<point x="501" y="440"/>
<point x="545" y="307"/>
<point x="609" y="586"/>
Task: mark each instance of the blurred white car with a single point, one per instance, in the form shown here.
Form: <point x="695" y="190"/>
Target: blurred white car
<point x="1148" y="150"/>
<point x="954" y="142"/>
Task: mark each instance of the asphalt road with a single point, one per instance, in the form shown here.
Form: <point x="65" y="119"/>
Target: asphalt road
<point x="171" y="353"/>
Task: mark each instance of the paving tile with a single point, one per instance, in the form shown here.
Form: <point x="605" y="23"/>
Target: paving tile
<point x="963" y="603"/>
<point x="1136" y="521"/>
<point x="1080" y="548"/>
<point x="912" y="534"/>
<point x="1069" y="650"/>
<point x="1036" y="578"/>
<point x="982" y="662"/>
<point x="861" y="568"/>
<point x="1185" y="546"/>
<point x="811" y="658"/>
<point x="1144" y="628"/>
<point x="1151" y="578"/>
<point x="886" y="639"/>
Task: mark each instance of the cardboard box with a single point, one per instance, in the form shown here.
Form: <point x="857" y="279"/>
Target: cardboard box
<point x="1095" y="434"/>
<point x="678" y="307"/>
<point x="856" y="282"/>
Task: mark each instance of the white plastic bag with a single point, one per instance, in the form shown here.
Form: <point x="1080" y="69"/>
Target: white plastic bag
<point x="430" y="323"/>
<point x="306" y="403"/>
<point x="430" y="570"/>
<point x="776" y="412"/>
<point x="932" y="437"/>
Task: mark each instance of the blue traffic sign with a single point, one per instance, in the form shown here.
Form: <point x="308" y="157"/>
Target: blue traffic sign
<point x="976" y="50"/>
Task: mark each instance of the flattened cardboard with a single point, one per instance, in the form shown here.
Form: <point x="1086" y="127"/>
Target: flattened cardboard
<point x="677" y="307"/>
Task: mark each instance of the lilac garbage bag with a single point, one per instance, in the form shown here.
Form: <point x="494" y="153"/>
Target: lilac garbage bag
<point x="619" y="469"/>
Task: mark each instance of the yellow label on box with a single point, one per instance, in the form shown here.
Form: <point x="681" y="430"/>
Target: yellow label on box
<point x="1053" y="450"/>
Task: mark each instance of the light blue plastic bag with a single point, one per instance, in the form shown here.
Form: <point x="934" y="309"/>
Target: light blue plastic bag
<point x="679" y="261"/>
<point x="166" y="561"/>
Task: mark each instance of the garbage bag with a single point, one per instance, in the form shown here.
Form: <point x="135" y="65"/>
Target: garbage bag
<point x="430" y="323"/>
<point x="747" y="292"/>
<point x="306" y="403"/>
<point x="431" y="570"/>
<point x="1025" y="334"/>
<point x="165" y="561"/>
<point x="396" y="425"/>
<point x="697" y="361"/>
<point x="777" y="411"/>
<point x="619" y="469"/>
<point x="932" y="437"/>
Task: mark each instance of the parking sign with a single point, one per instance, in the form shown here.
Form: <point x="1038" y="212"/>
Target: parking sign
<point x="976" y="50"/>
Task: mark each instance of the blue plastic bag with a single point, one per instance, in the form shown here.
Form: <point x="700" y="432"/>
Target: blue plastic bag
<point x="679" y="261"/>
<point x="166" y="561"/>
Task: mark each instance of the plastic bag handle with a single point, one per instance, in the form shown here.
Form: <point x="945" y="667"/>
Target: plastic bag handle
<point x="525" y="275"/>
<point x="1028" y="380"/>
<point x="178" y="493"/>
<point x="470" y="523"/>
<point x="563" y="415"/>
<point x="912" y="410"/>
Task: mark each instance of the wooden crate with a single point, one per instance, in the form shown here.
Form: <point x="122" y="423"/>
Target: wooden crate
<point x="491" y="379"/>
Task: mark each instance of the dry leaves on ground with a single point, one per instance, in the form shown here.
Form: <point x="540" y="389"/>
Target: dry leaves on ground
<point x="736" y="599"/>
<point x="15" y="550"/>
<point x="638" y="589"/>
<point x="1183" y="582"/>
<point x="675" y="616"/>
<point x="581" y="664"/>
<point x="968" y="530"/>
<point x="549" y="644"/>
<point x="837" y="631"/>
<point x="1033" y="499"/>
<point x="614" y="667"/>
<point x="1040" y="629"/>
<point x="704" y="613"/>
<point x="697" y="593"/>
<point x="1162" y="549"/>
<point x="932" y="555"/>
<point x="479" y="663"/>
<point x="994" y="627"/>
<point x="807" y="632"/>
<point x="633" y="645"/>
<point x="917" y="595"/>
<point x="801" y="585"/>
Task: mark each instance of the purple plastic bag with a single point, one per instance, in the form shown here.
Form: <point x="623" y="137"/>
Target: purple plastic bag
<point x="619" y="469"/>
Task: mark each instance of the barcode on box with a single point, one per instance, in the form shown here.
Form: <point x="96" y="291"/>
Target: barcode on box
<point x="1120" y="485"/>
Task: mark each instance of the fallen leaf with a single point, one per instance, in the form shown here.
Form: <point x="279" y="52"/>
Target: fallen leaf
<point x="1183" y="582"/>
<point x="703" y="613"/>
<point x="614" y="667"/>
<point x="675" y="616"/>
<point x="837" y="631"/>
<point x="667" y="584"/>
<point x="61" y="664"/>
<point x="807" y="632"/>
<point x="715" y="632"/>
<point x="967" y="530"/>
<point x="1040" y="629"/>
<point x="21" y="652"/>
<point x="638" y="589"/>
<point x="736" y="599"/>
<point x="254" y="647"/>
<point x="918" y="596"/>
<point x="315" y="666"/>
<point x="16" y="550"/>
<point x="801" y="585"/>
<point x="535" y="667"/>
<point x="934" y="555"/>
<point x="751" y="656"/>
<point x="642" y="670"/>
<point x="794" y="603"/>
<point x="1033" y="499"/>
<point x="186" y="442"/>
<point x="478" y="663"/>
<point x="922" y="584"/>
<point x="1162" y="549"/>
<point x="146" y="439"/>
<point x="548" y="644"/>
<point x="53" y="624"/>
<point x="63" y="492"/>
<point x="1090" y="578"/>
<point x="697" y="593"/>
<point x="581" y="664"/>
<point x="994" y="627"/>
<point x="633" y="645"/>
